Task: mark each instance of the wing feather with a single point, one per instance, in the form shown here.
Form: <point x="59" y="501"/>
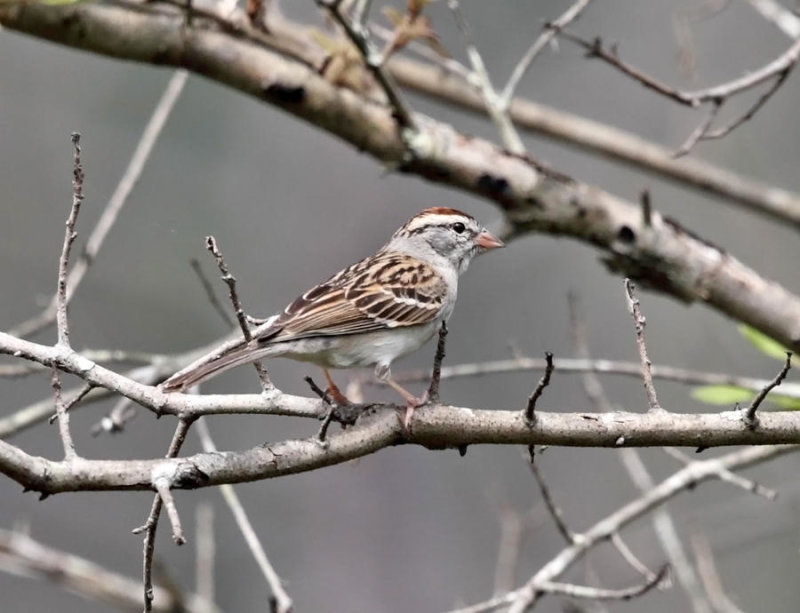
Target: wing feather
<point x="389" y="290"/>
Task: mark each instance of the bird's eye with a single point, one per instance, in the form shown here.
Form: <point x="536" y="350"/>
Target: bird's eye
<point x="459" y="227"/>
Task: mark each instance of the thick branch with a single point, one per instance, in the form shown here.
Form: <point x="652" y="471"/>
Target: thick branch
<point x="662" y="256"/>
<point x="434" y="427"/>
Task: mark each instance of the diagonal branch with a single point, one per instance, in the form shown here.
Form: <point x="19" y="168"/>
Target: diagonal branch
<point x="118" y="199"/>
<point x="662" y="256"/>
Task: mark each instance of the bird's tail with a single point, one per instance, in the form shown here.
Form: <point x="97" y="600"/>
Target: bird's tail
<point x="229" y="355"/>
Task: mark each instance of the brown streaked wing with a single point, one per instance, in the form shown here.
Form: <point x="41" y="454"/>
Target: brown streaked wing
<point x="387" y="291"/>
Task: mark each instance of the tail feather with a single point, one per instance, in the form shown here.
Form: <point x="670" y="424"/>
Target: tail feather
<point x="229" y="355"/>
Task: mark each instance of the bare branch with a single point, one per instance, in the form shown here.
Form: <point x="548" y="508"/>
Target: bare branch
<point x="667" y="532"/>
<point x="550" y="30"/>
<point x="596" y="593"/>
<point x="596" y="49"/>
<point x="283" y="603"/>
<point x="748" y="115"/>
<point x="69" y="238"/>
<point x="436" y="373"/>
<point x="210" y="294"/>
<point x="782" y="63"/>
<point x="595" y="137"/>
<point x="663" y="523"/>
<point x="495" y="105"/>
<point x="373" y="60"/>
<point x="746" y="484"/>
<point x="553" y="509"/>
<point x="750" y="418"/>
<point x="701" y="131"/>
<point x="230" y="281"/>
<point x="639" y="321"/>
<point x="63" y="419"/>
<point x="118" y="199"/>
<point x="687" y="477"/>
<point x="67" y="406"/>
<point x="754" y="78"/>
<point x="622" y="547"/>
<point x="529" y="414"/>
<point x="151" y="525"/>
<point x="22" y="555"/>
<point x="586" y="365"/>
<point x="162" y="485"/>
<point x="678" y="263"/>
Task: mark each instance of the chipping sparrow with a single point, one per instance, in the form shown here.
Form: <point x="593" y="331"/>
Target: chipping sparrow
<point x="370" y="313"/>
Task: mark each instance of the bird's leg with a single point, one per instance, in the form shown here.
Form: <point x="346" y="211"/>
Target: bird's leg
<point x="333" y="390"/>
<point x="382" y="373"/>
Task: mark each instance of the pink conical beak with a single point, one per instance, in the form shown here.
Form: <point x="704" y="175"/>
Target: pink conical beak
<point x="487" y="240"/>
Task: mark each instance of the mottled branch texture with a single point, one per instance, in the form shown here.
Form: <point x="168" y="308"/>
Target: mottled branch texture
<point x="659" y="255"/>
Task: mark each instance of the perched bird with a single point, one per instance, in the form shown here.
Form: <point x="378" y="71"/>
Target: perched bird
<point x="369" y="314"/>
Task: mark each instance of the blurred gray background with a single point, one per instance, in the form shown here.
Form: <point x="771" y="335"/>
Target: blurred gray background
<point x="405" y="529"/>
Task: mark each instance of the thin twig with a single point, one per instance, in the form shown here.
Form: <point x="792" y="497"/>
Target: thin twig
<point x="750" y="417"/>
<point x="787" y="21"/>
<point x="328" y="417"/>
<point x="23" y="556"/>
<point x="118" y="199"/>
<point x="373" y="59"/>
<point x="701" y="131"/>
<point x="230" y="281"/>
<point x="689" y="476"/>
<point x="85" y="389"/>
<point x="595" y="48"/>
<point x="627" y="554"/>
<point x="282" y="601"/>
<point x="727" y="476"/>
<point x="151" y="525"/>
<point x="596" y="593"/>
<point x="210" y="293"/>
<point x="667" y="532"/>
<point x="436" y="373"/>
<point x="748" y="115"/>
<point x="663" y="523"/>
<point x="586" y="365"/>
<point x="498" y="112"/>
<point x="530" y="408"/>
<point x="552" y="507"/>
<point x="69" y="238"/>
<point x="634" y="309"/>
<point x="63" y="419"/>
<point x="163" y="486"/>
<point x="550" y="30"/>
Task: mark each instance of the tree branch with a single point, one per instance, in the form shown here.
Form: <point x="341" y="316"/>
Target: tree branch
<point x="662" y="256"/>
